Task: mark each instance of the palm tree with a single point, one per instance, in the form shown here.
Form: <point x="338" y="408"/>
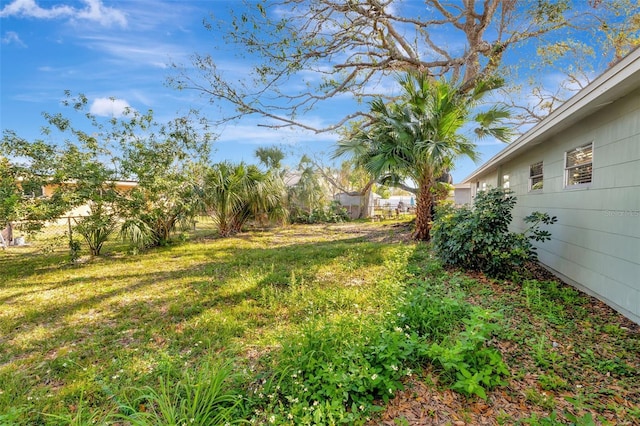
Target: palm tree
<point x="309" y="193"/>
<point x="233" y="194"/>
<point x="418" y="136"/>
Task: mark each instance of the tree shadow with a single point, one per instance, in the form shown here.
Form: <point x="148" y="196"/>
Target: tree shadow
<point x="203" y="283"/>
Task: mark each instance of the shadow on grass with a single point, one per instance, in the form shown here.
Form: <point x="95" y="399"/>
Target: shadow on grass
<point x="176" y="294"/>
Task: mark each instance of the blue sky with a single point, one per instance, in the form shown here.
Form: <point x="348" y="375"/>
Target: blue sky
<point x="121" y="50"/>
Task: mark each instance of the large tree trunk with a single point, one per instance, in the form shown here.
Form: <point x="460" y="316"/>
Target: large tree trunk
<point x="365" y="200"/>
<point x="423" y="211"/>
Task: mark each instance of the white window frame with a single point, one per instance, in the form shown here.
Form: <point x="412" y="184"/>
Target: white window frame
<point x="540" y="175"/>
<point x="568" y="169"/>
<point x="506" y="183"/>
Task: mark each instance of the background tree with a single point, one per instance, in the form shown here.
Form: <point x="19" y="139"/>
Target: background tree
<point x="82" y="166"/>
<point x="26" y="167"/>
<point x="236" y="193"/>
<point x="310" y="192"/>
<point x="75" y="173"/>
<point x="271" y="157"/>
<point x="418" y="136"/>
<point x="351" y="46"/>
<point x="350" y="178"/>
<point x="10" y="194"/>
<point x="166" y="161"/>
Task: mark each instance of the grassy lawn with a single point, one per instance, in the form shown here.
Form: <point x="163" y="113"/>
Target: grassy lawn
<point x="77" y="343"/>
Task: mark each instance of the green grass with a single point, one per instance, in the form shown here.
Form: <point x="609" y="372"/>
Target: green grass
<point x="308" y="324"/>
<point x="95" y="330"/>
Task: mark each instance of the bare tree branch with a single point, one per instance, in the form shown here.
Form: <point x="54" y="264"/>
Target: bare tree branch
<point x="308" y="52"/>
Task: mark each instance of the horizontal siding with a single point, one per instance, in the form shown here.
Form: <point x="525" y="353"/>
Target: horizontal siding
<point x="596" y="241"/>
<point x="602" y="211"/>
<point x="615" y="293"/>
<point x="581" y="251"/>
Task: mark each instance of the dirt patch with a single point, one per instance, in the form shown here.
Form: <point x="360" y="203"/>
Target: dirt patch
<point x="385" y="232"/>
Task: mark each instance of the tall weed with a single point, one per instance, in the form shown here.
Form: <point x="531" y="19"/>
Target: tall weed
<point x="205" y="397"/>
<point x="456" y="335"/>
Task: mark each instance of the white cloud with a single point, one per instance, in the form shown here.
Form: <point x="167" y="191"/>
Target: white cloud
<point x="109" y="107"/>
<point x="11" y="37"/>
<point x="137" y="50"/>
<point x="29" y="9"/>
<point x="97" y="12"/>
<point x="94" y="11"/>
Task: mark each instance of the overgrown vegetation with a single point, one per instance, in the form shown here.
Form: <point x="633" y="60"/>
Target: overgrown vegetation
<point x="308" y="325"/>
<point x="333" y="213"/>
<point x="477" y="237"/>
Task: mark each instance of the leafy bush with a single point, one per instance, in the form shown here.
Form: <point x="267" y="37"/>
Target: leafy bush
<point x="332" y="373"/>
<point x="478" y="237"/>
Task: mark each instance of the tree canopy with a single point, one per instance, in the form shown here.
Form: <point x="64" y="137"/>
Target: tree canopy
<point x="418" y="136"/>
<point x="81" y="168"/>
<point x="305" y="52"/>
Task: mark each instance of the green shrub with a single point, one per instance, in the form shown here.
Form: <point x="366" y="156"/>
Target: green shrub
<point x="333" y="373"/>
<point x="478" y="237"/>
<point x="96" y="228"/>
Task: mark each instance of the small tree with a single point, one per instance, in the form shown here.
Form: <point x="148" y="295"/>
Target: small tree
<point x="82" y="168"/>
<point x="168" y="162"/>
<point x="10" y="194"/>
<point x="418" y="136"/>
<point x="25" y="168"/>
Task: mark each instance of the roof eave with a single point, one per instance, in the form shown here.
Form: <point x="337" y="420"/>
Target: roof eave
<point x="611" y="85"/>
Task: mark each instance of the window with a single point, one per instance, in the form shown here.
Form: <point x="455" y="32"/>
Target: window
<point x="578" y="166"/>
<point x="505" y="181"/>
<point x="536" y="180"/>
<point x="32" y="189"/>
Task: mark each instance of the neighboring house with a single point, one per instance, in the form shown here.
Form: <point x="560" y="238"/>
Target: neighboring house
<point x="582" y="164"/>
<point x="122" y="186"/>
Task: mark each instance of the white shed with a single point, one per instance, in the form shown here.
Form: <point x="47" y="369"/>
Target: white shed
<point x="355" y="203"/>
